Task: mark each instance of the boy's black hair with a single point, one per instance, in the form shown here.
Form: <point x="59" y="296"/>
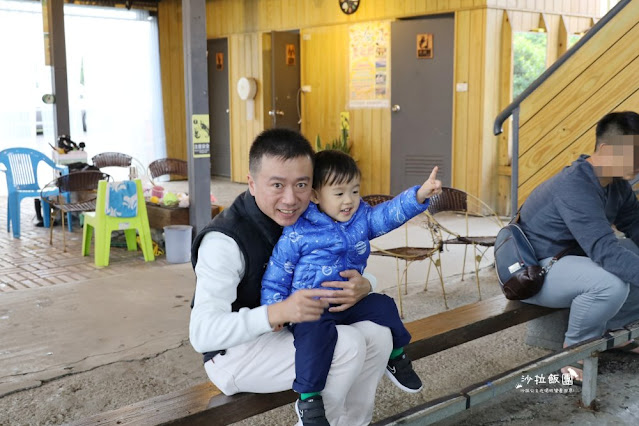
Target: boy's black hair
<point x="617" y="123"/>
<point x="333" y="167"/>
<point x="284" y="144"/>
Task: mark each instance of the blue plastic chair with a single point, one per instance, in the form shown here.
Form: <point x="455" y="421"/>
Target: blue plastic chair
<point x="21" y="166"/>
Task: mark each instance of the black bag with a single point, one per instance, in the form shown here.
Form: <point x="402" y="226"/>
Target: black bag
<point x="518" y="271"/>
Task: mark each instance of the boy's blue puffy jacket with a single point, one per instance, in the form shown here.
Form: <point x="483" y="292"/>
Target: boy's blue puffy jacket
<point x="316" y="248"/>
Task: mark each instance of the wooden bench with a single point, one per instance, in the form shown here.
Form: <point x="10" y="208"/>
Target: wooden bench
<point x="478" y="393"/>
<point x="204" y="404"/>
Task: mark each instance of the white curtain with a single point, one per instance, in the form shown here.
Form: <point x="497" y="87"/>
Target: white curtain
<point x="113" y="78"/>
<point x="113" y="71"/>
<point x="21" y="62"/>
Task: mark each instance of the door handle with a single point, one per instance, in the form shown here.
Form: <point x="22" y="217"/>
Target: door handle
<point x="395" y="108"/>
<point x="275" y="112"/>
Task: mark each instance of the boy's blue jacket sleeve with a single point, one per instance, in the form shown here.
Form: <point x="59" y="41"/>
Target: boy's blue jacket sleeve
<point x="392" y="214"/>
<point x="277" y="281"/>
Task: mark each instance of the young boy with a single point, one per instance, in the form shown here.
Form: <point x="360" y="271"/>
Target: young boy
<point x="333" y="235"/>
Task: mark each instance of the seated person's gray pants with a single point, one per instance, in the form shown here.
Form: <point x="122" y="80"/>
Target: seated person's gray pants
<point x="598" y="300"/>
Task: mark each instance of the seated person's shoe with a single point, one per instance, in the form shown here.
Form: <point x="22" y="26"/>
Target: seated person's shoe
<point x="401" y="373"/>
<point x="311" y="411"/>
<point x="574" y="371"/>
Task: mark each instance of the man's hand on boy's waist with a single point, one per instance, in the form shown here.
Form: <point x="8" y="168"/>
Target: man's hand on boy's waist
<point x="301" y="306"/>
<point x="350" y="292"/>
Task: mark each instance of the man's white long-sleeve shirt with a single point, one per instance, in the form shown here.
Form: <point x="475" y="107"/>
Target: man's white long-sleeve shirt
<point x="219" y="270"/>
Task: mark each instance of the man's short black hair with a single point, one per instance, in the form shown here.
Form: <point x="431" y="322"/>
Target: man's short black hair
<point x="617" y="124"/>
<point x="333" y="167"/>
<point x="284" y="144"/>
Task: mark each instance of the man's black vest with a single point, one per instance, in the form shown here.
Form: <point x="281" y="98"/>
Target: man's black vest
<point x="256" y="235"/>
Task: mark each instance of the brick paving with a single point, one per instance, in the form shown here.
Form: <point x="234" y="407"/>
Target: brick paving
<point x="30" y="262"/>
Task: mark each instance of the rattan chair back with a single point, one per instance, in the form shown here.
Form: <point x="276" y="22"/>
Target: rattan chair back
<point x="78" y="192"/>
<point x="407" y="253"/>
<point x="449" y="200"/>
<point x="111" y="159"/>
<point x="168" y="166"/>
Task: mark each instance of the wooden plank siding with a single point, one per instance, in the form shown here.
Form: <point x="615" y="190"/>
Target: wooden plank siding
<point x="172" y="77"/>
<point x="244" y="63"/>
<point x="481" y="37"/>
<point x="505" y="97"/>
<point x="559" y="118"/>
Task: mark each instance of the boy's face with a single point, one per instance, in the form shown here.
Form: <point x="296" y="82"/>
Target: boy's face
<point x="340" y="201"/>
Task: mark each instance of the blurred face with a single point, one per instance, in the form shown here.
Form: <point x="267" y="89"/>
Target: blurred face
<point x="619" y="157"/>
<point x="282" y="188"/>
<point x="339" y="201"/>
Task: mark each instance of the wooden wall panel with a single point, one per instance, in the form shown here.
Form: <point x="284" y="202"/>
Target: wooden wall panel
<point x="474" y="142"/>
<point x="553" y="41"/>
<point x="468" y="117"/>
<point x="226" y="17"/>
<point x="560" y="117"/>
<point x="461" y="100"/>
<point x="583" y="115"/>
<point x="580" y="89"/>
<point x="242" y="63"/>
<point x="505" y="97"/>
<point x="172" y="76"/>
<point x="583" y="144"/>
<point x="489" y="154"/>
<point x="568" y="7"/>
<point x="325" y="67"/>
<point x="580" y="61"/>
<point x="324" y="61"/>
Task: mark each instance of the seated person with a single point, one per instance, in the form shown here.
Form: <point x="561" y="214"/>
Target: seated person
<point x="332" y="235"/>
<point x="575" y="210"/>
<point x="245" y="349"/>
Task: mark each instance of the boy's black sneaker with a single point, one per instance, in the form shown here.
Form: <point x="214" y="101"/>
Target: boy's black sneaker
<point x="311" y="411"/>
<point x="401" y="373"/>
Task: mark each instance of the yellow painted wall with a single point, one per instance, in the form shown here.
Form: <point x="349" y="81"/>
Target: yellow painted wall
<point x="557" y="122"/>
<point x="479" y="37"/>
<point x="172" y="76"/>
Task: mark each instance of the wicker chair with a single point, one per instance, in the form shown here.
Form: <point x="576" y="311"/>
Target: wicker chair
<point x="168" y="166"/>
<point x="78" y="193"/>
<point x="118" y="159"/>
<point x="458" y="201"/>
<point x="408" y="254"/>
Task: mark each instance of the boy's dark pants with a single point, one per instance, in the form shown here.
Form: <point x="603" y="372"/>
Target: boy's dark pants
<point x="315" y="341"/>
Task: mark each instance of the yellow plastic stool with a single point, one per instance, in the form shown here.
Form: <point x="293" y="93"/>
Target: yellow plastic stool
<point x="104" y="225"/>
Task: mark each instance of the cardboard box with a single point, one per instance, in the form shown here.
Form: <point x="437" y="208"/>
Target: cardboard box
<point x="161" y="216"/>
<point x="70" y="157"/>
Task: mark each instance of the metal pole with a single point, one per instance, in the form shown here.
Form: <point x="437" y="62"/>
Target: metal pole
<point x="514" y="173"/>
<point x="197" y="112"/>
<point x="57" y="55"/>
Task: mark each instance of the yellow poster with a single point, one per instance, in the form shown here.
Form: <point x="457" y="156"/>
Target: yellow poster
<point x="369" y="56"/>
<point x="201" y="136"/>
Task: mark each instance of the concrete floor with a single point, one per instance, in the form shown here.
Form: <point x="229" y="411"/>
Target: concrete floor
<point x="60" y="315"/>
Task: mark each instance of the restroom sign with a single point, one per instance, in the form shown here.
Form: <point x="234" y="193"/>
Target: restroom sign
<point x="424" y="46"/>
<point x="219" y="61"/>
<point x="290" y="54"/>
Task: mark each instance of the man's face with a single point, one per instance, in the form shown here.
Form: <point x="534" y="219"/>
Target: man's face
<point x="620" y="157"/>
<point x="282" y="188"/>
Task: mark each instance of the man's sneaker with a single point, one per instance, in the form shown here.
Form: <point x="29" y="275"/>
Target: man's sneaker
<point x="311" y="411"/>
<point x="401" y="373"/>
